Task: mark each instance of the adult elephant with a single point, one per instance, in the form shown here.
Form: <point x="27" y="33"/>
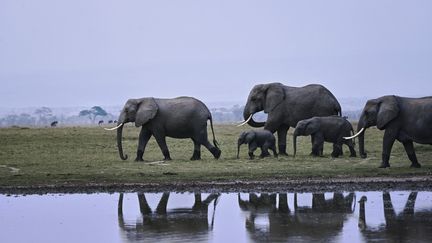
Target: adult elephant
<point x="406" y="119"/>
<point x="287" y="105"/>
<point x="188" y="224"/>
<point x="182" y="117"/>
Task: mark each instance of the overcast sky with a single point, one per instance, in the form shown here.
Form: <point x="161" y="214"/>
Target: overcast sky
<point x="89" y="52"/>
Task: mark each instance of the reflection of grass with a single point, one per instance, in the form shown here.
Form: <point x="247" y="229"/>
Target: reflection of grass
<point x="89" y="155"/>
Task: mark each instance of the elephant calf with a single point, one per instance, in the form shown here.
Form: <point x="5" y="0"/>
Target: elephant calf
<point x="330" y="129"/>
<point x="257" y="138"/>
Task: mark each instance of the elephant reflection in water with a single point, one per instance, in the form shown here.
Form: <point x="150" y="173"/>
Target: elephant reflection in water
<point x="408" y="226"/>
<point x="157" y="224"/>
<point x="322" y="221"/>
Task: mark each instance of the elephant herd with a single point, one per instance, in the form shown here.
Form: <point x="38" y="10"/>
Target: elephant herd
<point x="312" y="110"/>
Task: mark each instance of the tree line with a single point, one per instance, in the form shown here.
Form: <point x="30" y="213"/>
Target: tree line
<point x="44" y="116"/>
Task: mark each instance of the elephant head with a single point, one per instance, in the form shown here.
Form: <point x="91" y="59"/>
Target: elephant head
<point x="377" y="112"/>
<point x="245" y="137"/>
<point x="305" y="128"/>
<point x="263" y="97"/>
<point x="139" y="111"/>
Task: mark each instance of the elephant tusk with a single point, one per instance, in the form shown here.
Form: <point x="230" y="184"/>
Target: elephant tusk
<point x="241" y="124"/>
<point x="355" y="135"/>
<point x="114" y="128"/>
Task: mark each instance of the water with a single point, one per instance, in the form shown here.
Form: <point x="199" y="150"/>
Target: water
<point x="400" y="216"/>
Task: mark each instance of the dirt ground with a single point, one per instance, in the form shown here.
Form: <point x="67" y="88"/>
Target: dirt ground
<point x="415" y="183"/>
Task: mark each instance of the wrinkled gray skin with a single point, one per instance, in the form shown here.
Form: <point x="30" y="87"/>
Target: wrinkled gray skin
<point x="329" y="129"/>
<point x="257" y="138"/>
<point x="287" y="105"/>
<point x="404" y="119"/>
<point x="182" y="117"/>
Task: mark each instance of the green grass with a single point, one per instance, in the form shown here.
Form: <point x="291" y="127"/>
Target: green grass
<point x="83" y="155"/>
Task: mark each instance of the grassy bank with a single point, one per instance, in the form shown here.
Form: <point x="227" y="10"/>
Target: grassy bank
<point x="82" y="155"/>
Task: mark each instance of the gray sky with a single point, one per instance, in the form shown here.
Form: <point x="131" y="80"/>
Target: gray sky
<point x="102" y="52"/>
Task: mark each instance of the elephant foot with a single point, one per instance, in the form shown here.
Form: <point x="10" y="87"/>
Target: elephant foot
<point x="196" y="156"/>
<point x="363" y="156"/>
<point x="415" y="165"/>
<point x="216" y="152"/>
<point x="283" y="154"/>
<point x="167" y="158"/>
<point x="263" y="155"/>
<point x="384" y="165"/>
<point x="353" y="155"/>
<point x="251" y="156"/>
<point x="139" y="157"/>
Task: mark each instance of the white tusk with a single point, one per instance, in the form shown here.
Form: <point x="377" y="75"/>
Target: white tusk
<point x="355" y="135"/>
<point x="241" y="124"/>
<point x="114" y="128"/>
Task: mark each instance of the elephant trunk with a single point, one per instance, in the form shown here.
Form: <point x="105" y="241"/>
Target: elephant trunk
<point x="247" y="117"/>
<point x="294" y="144"/>
<point x="238" y="149"/>
<point x="119" y="143"/>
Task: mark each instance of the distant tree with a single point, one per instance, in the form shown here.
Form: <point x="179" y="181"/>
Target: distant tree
<point x="94" y="112"/>
<point x="23" y="119"/>
<point x="44" y="115"/>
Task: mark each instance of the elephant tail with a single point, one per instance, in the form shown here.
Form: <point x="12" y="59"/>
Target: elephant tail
<point x="215" y="143"/>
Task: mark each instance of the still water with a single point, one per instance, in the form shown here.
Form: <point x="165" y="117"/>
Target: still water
<point x="400" y="216"/>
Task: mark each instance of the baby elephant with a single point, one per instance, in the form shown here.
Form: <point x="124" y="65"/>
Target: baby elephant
<point x="257" y="138"/>
<point x="330" y="129"/>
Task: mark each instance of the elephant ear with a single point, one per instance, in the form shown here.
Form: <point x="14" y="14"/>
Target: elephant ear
<point x="312" y="127"/>
<point x="146" y="111"/>
<point x="274" y="96"/>
<point x="388" y="110"/>
<point x="250" y="137"/>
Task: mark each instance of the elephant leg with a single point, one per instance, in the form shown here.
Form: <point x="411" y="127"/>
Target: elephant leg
<point x="161" y="140"/>
<point x="337" y="150"/>
<point x="252" y="148"/>
<point x="317" y="145"/>
<point x="282" y="134"/>
<point x="215" y="151"/>
<point x="320" y="150"/>
<point x="144" y="137"/>
<point x="264" y="150"/>
<point x="350" y="145"/>
<point x="197" y="151"/>
<point x="273" y="148"/>
<point x="283" y="203"/>
<point x="143" y="204"/>
<point x="409" y="148"/>
<point x="202" y="138"/>
<point x="388" y="141"/>
<point x="162" y="205"/>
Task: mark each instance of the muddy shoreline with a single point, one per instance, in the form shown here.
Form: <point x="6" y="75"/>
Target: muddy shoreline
<point x="416" y="183"/>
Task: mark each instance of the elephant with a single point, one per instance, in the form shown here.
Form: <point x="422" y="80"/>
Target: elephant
<point x="409" y="225"/>
<point x="330" y="129"/>
<point x="287" y="105"/>
<point x="181" y="117"/>
<point x="257" y="138"/>
<point x="319" y="222"/>
<point x="156" y="224"/>
<point x="406" y="119"/>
